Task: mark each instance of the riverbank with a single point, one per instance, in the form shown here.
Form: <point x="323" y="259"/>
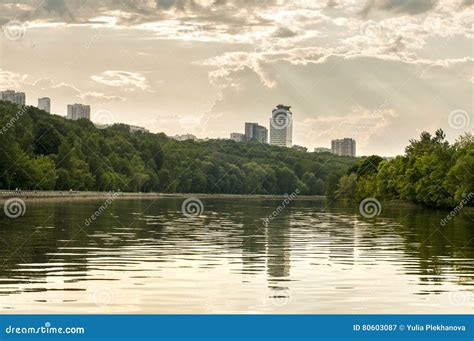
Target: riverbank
<point x="72" y="195"/>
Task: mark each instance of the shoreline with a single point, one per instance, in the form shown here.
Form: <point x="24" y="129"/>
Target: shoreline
<point x="75" y="195"/>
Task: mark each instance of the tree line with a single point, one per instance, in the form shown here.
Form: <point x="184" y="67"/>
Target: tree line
<point x="432" y="172"/>
<point x="39" y="151"/>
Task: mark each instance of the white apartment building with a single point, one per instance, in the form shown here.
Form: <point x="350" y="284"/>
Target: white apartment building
<point x="344" y="147"/>
<point x="76" y="111"/>
<point x="13" y="96"/>
<point x="44" y="103"/>
<point x="281" y="126"/>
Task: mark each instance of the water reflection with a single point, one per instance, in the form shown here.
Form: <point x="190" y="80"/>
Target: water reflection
<point x="147" y="257"/>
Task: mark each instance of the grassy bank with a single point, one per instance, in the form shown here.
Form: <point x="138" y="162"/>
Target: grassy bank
<point x="35" y="195"/>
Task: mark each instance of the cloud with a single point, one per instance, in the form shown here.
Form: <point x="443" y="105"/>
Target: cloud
<point x="379" y="101"/>
<point x="11" y="80"/>
<point x="101" y="96"/>
<point x="124" y="79"/>
<point x="283" y="32"/>
<point x="46" y="87"/>
<point x="177" y="4"/>
<point x="239" y="58"/>
<point x="72" y="91"/>
<point x="360" y="123"/>
<point x="398" y="6"/>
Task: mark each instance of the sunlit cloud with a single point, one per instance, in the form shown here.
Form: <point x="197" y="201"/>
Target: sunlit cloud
<point x="124" y="79"/>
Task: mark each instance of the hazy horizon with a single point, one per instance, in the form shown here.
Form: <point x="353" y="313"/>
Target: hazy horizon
<point x="379" y="71"/>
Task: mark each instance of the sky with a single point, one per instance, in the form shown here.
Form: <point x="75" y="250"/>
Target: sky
<point x="379" y="71"/>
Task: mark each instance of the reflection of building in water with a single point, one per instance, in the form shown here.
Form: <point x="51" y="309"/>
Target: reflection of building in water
<point x="253" y="244"/>
<point x="342" y="240"/>
<point x="278" y="247"/>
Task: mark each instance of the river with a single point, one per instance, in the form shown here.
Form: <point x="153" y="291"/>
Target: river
<point x="146" y="256"/>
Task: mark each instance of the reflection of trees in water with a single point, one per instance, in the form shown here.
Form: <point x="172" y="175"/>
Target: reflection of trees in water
<point x="435" y="252"/>
<point x="440" y="250"/>
<point x="341" y="240"/>
<point x="54" y="236"/>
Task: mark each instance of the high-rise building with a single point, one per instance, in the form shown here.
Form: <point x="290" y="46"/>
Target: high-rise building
<point x="44" y="103"/>
<point x="262" y="134"/>
<point x="344" y="147"/>
<point x="13" y="96"/>
<point x="251" y="131"/>
<point x="237" y="137"/>
<point x="256" y="132"/>
<point x="76" y="111"/>
<point x="281" y="126"/>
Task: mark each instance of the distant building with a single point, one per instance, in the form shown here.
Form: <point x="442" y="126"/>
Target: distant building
<point x="322" y="150"/>
<point x="262" y="134"/>
<point x="237" y="137"/>
<point x="77" y="111"/>
<point x="13" y="96"/>
<point x="300" y="148"/>
<point x="345" y="147"/>
<point x="281" y="126"/>
<point x="184" y="137"/>
<point x="251" y="131"/>
<point x="135" y="129"/>
<point x="44" y="103"/>
<point x="256" y="132"/>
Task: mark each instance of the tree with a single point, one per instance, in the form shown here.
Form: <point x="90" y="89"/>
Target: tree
<point x="347" y="187"/>
<point x="45" y="151"/>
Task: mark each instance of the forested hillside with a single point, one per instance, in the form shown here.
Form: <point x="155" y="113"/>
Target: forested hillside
<point x="45" y="152"/>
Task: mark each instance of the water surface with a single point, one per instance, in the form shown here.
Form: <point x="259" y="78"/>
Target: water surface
<point x="145" y="256"/>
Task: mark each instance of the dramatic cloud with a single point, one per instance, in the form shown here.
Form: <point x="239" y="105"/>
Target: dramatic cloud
<point x="377" y="70"/>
